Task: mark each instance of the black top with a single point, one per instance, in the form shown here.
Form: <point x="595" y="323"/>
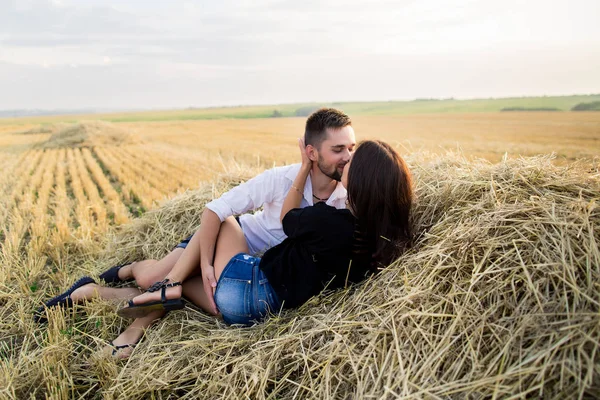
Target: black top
<point x="316" y="254"/>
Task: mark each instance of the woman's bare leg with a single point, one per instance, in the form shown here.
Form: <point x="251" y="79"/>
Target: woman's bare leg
<point x="193" y="290"/>
<point x="93" y="291"/>
<point x="146" y="274"/>
<point x="230" y="242"/>
<point x="126" y="271"/>
<point x="133" y="334"/>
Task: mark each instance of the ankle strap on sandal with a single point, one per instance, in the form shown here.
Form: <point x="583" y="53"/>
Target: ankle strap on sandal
<point x="164" y="284"/>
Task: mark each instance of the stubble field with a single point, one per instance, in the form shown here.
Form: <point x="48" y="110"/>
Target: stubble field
<point x="65" y="191"/>
<point x="75" y="184"/>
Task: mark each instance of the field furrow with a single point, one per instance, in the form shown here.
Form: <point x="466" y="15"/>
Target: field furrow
<point x="193" y="165"/>
<point x="23" y="177"/>
<point x="154" y="167"/>
<point x="138" y="188"/>
<point x="96" y="203"/>
<point x="115" y="171"/>
<point x="22" y="202"/>
<point x="118" y="210"/>
<point x="148" y="174"/>
<point x="61" y="203"/>
<point x="41" y="212"/>
<point x="9" y="171"/>
<point x="83" y="211"/>
<point x="7" y="163"/>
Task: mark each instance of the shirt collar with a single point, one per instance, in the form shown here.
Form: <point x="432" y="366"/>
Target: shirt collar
<point x="291" y="175"/>
<point x="292" y="172"/>
<point x="338" y="193"/>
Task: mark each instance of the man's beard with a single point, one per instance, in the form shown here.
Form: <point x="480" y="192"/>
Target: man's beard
<point x="335" y="175"/>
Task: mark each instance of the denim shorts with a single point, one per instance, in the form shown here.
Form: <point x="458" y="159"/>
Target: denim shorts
<point x="244" y="294"/>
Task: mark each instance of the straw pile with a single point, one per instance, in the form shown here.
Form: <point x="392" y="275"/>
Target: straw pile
<point x="84" y="134"/>
<point x="498" y="299"/>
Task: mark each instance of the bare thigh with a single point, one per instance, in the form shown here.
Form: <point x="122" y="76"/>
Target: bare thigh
<point x="193" y="290"/>
<point x="230" y="242"/>
<point x="145" y="274"/>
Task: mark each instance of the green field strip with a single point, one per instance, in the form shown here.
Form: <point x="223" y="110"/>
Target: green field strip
<point x="302" y="110"/>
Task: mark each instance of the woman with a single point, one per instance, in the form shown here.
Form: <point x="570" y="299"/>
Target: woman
<point x="325" y="247"/>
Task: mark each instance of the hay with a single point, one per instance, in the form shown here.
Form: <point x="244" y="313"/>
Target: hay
<point x="84" y="134"/>
<point x="498" y="299"/>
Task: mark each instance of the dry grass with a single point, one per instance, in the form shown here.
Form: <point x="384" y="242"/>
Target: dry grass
<point x="498" y="299"/>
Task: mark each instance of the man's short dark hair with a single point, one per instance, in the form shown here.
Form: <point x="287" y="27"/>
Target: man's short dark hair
<point x="318" y="122"/>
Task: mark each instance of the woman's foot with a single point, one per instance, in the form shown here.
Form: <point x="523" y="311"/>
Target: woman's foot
<point x="118" y="274"/>
<point x="64" y="299"/>
<point x="124" y="344"/>
<point x="173" y="292"/>
<point x="85" y="292"/>
<point x="162" y="296"/>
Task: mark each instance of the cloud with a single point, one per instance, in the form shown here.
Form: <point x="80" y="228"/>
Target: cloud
<point x="182" y="53"/>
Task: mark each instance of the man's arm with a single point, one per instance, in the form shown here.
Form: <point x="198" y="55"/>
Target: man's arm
<point x="247" y="196"/>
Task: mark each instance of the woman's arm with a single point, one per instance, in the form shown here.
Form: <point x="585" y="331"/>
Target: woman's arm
<point x="294" y="196"/>
<point x="200" y="252"/>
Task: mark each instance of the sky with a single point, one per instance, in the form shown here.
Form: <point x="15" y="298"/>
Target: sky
<point x="145" y="54"/>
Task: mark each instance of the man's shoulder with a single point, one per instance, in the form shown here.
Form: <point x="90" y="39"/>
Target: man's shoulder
<point x="285" y="171"/>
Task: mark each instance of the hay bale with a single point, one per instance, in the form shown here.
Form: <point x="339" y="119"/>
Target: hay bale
<point x="84" y="134"/>
<point x="499" y="298"/>
<point x="44" y="129"/>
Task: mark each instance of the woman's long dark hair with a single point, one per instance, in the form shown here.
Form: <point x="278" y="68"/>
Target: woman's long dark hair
<point x="380" y="195"/>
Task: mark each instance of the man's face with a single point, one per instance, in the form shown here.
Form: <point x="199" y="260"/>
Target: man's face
<point x="335" y="151"/>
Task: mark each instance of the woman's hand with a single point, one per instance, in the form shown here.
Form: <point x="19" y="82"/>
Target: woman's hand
<point x="296" y="193"/>
<point x="210" y="285"/>
<point x="306" y="162"/>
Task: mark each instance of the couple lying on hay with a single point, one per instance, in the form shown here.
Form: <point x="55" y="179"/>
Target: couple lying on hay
<point x="332" y="220"/>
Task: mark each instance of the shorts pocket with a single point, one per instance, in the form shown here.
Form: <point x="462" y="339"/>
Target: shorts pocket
<point x="232" y="298"/>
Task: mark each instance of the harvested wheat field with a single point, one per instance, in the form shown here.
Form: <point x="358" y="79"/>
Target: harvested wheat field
<point x="499" y="298"/>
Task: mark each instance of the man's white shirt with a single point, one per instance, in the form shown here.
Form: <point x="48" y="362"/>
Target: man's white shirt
<point x="268" y="190"/>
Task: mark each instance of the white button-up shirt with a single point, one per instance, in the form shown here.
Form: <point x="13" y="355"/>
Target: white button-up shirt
<point x="268" y="190"/>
